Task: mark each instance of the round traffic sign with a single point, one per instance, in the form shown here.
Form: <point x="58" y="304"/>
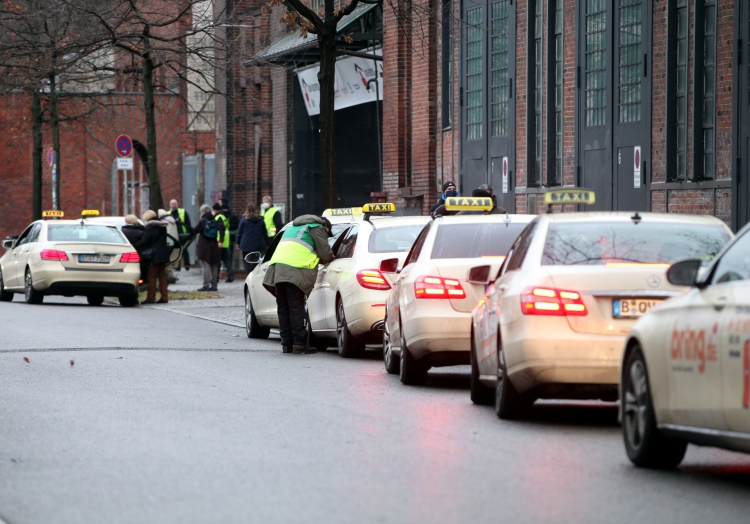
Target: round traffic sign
<point x="637" y="159"/>
<point x="123" y="145"/>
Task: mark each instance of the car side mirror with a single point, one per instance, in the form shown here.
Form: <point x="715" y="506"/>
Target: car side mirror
<point x="253" y="257"/>
<point x="8" y="243"/>
<point x="479" y="275"/>
<point x="684" y="272"/>
<point x="389" y="265"/>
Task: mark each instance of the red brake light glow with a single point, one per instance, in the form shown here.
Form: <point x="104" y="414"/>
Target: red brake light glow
<point x="549" y="301"/>
<point x="436" y="287"/>
<point x="372" y="279"/>
<point x="53" y="254"/>
<point x="133" y="256"/>
<point x="637" y="264"/>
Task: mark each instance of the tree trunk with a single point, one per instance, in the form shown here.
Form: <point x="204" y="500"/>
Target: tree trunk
<point x="55" y="121"/>
<point x="36" y="154"/>
<point x="154" y="189"/>
<point x="327" y="77"/>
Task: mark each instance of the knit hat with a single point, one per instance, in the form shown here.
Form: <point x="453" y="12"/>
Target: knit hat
<point x="447" y="185"/>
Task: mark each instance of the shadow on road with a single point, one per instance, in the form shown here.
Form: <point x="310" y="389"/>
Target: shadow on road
<point x="575" y="413"/>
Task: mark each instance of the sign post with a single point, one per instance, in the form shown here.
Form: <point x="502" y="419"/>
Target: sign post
<point x="505" y="174"/>
<point x="124" y="148"/>
<point x="637" y="167"/>
<point x="52" y="161"/>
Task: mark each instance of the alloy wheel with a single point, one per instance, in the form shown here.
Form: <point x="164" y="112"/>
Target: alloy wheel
<point x="387" y="346"/>
<point x="248" y="311"/>
<point x="636" y="402"/>
<point x="28" y="288"/>
<point x="340" y="325"/>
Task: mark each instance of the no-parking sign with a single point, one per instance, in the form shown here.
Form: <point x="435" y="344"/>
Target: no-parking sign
<point x="123" y="145"/>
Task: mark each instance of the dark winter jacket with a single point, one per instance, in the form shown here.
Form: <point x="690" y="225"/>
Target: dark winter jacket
<point x="207" y="250"/>
<point x="155" y="236"/>
<point x="252" y="235"/>
<point x="133" y="232"/>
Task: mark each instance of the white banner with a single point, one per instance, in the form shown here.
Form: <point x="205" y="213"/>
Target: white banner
<point x="351" y="87"/>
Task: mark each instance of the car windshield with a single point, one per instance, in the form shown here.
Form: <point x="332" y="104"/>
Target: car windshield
<point x="629" y="243"/>
<point x="475" y="240"/>
<point x="86" y="233"/>
<point x="394" y="239"/>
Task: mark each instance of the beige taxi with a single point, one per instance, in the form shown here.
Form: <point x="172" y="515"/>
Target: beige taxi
<point x="553" y="323"/>
<point x="69" y="257"/>
<point x="686" y="365"/>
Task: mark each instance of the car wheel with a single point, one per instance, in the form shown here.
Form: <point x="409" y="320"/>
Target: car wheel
<point x="5" y="296"/>
<point x="392" y="364"/>
<point x="349" y="346"/>
<point x="646" y="446"/>
<point x="31" y="295"/>
<point x="509" y="403"/>
<point x="411" y="372"/>
<point x="313" y="340"/>
<point x="130" y="300"/>
<point x="95" y="300"/>
<point x="480" y="394"/>
<point x="252" y="326"/>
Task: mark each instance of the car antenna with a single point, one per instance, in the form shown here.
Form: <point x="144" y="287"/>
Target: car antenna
<point x="636" y="218"/>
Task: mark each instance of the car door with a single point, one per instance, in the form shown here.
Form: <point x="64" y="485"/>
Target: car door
<point x="316" y="302"/>
<point x="332" y="272"/>
<point x="264" y="303"/>
<point x="19" y="252"/>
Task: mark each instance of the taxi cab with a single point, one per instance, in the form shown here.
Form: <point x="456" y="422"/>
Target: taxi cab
<point x="686" y="365"/>
<point x="347" y="303"/>
<point x="428" y="312"/>
<point x="553" y="323"/>
<point x="69" y="257"/>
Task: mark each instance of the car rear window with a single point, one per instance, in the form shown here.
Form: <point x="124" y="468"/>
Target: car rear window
<point x="623" y="243"/>
<point x="397" y="239"/>
<point x="475" y="240"/>
<point x="85" y="233"/>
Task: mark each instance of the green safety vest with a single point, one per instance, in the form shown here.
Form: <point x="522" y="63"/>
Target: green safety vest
<point x="296" y="248"/>
<point x="268" y="215"/>
<point x="225" y="242"/>
<point x="181" y="214"/>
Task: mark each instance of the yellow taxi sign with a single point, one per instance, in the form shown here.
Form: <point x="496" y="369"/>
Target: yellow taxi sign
<point x="342" y="211"/>
<point x="90" y="213"/>
<point x="53" y="213"/>
<point x="469" y="204"/>
<point x="379" y="208"/>
<point x="571" y="195"/>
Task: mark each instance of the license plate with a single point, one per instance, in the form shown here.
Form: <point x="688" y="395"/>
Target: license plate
<point x="632" y="308"/>
<point x="96" y="259"/>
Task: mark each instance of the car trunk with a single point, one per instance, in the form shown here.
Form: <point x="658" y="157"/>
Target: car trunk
<point x="75" y="250"/>
<point x="458" y="268"/>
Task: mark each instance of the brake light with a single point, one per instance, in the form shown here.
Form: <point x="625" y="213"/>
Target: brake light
<point x="53" y="254"/>
<point x="549" y="301"/>
<point x="372" y="279"/>
<point x="436" y="287"/>
<point x="133" y="256"/>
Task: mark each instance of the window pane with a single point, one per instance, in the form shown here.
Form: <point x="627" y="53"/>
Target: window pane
<point x="596" y="20"/>
<point x="474" y="74"/>
<point x="500" y="90"/>
<point x="631" y="60"/>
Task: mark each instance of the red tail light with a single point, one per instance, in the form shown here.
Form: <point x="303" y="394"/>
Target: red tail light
<point x="372" y="279"/>
<point x="53" y="254"/>
<point x="548" y="301"/>
<point x="437" y="287"/>
<point x="133" y="256"/>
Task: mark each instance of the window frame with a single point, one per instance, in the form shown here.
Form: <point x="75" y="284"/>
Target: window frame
<point x="699" y="96"/>
<point x="555" y="106"/>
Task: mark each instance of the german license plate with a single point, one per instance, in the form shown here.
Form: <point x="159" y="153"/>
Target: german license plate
<point x="96" y="259"/>
<point x="632" y="308"/>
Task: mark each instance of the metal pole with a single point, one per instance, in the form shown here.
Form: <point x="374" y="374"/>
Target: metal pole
<point x="55" y="196"/>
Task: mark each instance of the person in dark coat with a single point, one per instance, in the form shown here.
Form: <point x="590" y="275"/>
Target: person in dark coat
<point x="153" y="247"/>
<point x="485" y="190"/>
<point x="251" y="235"/>
<point x="208" y="250"/>
<point x="449" y="190"/>
<point x="133" y="231"/>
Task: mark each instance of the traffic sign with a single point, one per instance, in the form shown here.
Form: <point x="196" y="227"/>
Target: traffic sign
<point x="50" y="156"/>
<point x="124" y="146"/>
<point x="125" y="163"/>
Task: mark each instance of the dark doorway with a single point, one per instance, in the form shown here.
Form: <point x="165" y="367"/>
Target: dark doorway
<point x="741" y="189"/>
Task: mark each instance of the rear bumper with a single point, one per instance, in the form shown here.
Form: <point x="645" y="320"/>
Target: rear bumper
<point x="363" y="314"/>
<point x="109" y="282"/>
<point x="436" y="328"/>
<point x="109" y="289"/>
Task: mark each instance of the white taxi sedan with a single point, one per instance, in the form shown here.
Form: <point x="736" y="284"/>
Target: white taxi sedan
<point x="70" y="257"/>
<point x="428" y="313"/>
<point x="553" y="323"/>
<point x="686" y="364"/>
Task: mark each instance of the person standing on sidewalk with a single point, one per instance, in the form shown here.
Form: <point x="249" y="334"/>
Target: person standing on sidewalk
<point x="184" y="228"/>
<point x="154" y="249"/>
<point x="271" y="216"/>
<point x="291" y="276"/>
<point x="224" y="241"/>
<point x="208" y="251"/>
<point x="251" y="235"/>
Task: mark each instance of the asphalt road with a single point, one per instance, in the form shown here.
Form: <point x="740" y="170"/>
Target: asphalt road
<point x="168" y="418"/>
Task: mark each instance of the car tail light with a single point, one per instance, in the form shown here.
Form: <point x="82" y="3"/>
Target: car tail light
<point x="372" y="279"/>
<point x="437" y="287"/>
<point x="133" y="256"/>
<point x="549" y="301"/>
<point x="53" y="254"/>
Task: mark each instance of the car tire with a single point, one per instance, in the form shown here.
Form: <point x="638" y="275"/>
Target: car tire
<point x="391" y="363"/>
<point x="480" y="394"/>
<point x="130" y="300"/>
<point x="411" y="371"/>
<point x="509" y="403"/>
<point x="5" y="296"/>
<point x="252" y="326"/>
<point x="31" y="295"/>
<point x="349" y="345"/>
<point x="645" y="444"/>
<point x="313" y="340"/>
<point x="95" y="300"/>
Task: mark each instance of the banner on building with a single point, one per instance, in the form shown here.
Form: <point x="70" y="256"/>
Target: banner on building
<point x="353" y="84"/>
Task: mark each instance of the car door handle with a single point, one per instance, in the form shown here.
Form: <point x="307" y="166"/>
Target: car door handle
<point x="504" y="287"/>
<point x="336" y="270"/>
<point x="720" y="303"/>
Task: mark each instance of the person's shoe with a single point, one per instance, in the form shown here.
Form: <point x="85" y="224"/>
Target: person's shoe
<point x="204" y="288"/>
<point x="187" y="268"/>
<point x="148" y="302"/>
<point x="162" y="301"/>
<point x="214" y="289"/>
<point x="230" y="279"/>
<point x="303" y="350"/>
<point x="286" y="349"/>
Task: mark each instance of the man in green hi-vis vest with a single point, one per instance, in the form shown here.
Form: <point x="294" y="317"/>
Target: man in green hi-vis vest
<point x="291" y="275"/>
<point x="222" y="222"/>
<point x="271" y="216"/>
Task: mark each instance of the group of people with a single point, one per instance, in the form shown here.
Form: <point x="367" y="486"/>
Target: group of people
<point x="449" y="190"/>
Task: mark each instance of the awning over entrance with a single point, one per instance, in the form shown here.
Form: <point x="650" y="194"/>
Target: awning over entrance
<point x="293" y="49"/>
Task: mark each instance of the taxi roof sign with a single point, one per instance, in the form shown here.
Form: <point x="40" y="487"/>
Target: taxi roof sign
<point x="90" y="213"/>
<point x="469" y="204"/>
<point x="342" y="211"/>
<point x="379" y="208"/>
<point x="53" y="213"/>
<point x="570" y="195"/>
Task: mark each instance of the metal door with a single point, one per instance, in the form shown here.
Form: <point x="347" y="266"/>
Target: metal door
<point x="741" y="193"/>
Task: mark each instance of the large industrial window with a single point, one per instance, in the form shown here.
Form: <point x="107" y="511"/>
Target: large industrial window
<point x="447" y="64"/>
<point x="677" y="88"/>
<point x="555" y="52"/>
<point x="705" y="91"/>
<point x="535" y="79"/>
<point x="596" y="62"/>
<point x="500" y="79"/>
<point x="631" y="61"/>
<point x="474" y="74"/>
